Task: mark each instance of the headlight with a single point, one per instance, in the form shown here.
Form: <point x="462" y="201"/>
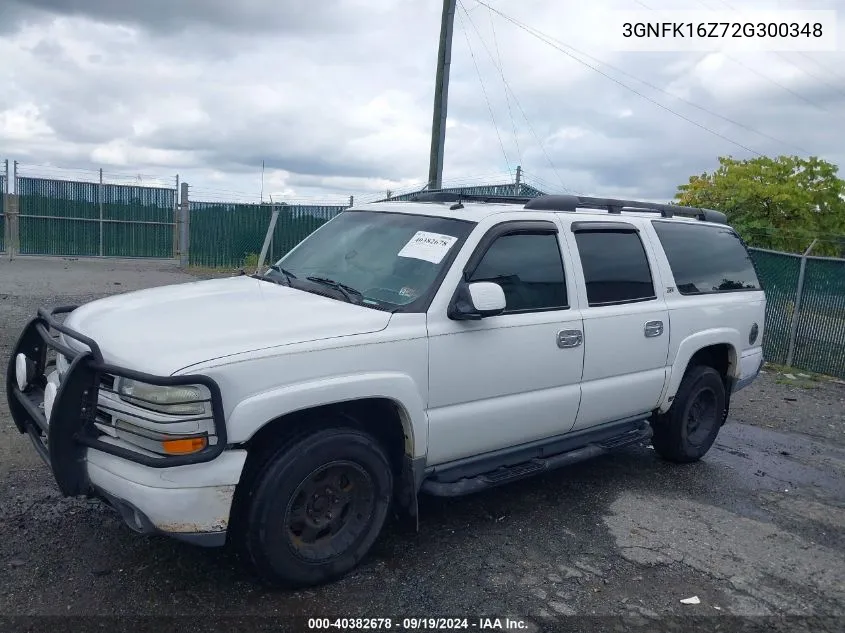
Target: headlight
<point x="24" y="371"/>
<point x="178" y="400"/>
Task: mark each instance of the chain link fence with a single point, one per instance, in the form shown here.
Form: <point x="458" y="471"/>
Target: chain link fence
<point x="805" y="312"/>
<point x="94" y="219"/>
<point x="507" y="189"/>
<point x="224" y="235"/>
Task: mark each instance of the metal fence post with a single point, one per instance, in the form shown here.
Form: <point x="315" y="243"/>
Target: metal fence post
<point x="273" y="233"/>
<point x="185" y="226"/>
<point x="7" y="233"/>
<point x="13" y="210"/>
<point x="270" y="230"/>
<point x="100" y="199"/>
<point x="176" y="219"/>
<point x="793" y="334"/>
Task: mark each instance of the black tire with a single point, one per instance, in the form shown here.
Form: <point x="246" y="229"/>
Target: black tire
<point x="279" y="522"/>
<point x="686" y="432"/>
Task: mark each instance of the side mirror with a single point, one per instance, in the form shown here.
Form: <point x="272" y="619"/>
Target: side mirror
<point x="477" y="300"/>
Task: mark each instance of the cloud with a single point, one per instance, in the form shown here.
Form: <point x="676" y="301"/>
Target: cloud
<point x="173" y="16"/>
<point x="335" y="97"/>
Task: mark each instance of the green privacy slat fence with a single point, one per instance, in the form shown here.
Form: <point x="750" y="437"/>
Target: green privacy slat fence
<point x="779" y="275"/>
<point x="509" y="189"/>
<point x="61" y="217"/>
<point x="820" y="345"/>
<point x="295" y="223"/>
<point x="820" y="340"/>
<point x="231" y="235"/>
<point x="2" y="214"/>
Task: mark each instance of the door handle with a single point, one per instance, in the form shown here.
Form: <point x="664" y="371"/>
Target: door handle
<point x="569" y="338"/>
<point x="653" y="328"/>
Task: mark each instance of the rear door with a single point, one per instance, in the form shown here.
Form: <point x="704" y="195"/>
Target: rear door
<point x="626" y="321"/>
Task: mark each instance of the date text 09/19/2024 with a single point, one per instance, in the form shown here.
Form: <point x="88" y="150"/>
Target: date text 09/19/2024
<point x="417" y="624"/>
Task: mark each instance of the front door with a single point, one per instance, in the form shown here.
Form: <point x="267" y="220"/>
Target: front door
<point x="513" y="378"/>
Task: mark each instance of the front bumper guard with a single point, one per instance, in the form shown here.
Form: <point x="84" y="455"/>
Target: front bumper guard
<point x="62" y="440"/>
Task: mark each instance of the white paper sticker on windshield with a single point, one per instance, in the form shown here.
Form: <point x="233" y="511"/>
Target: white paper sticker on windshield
<point x="431" y="247"/>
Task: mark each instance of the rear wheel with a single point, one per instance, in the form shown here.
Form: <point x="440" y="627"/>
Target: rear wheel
<point x="687" y="431"/>
<point x="316" y="507"/>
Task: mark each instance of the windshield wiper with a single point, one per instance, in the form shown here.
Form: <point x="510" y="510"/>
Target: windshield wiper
<point x="287" y="274"/>
<point x="346" y="291"/>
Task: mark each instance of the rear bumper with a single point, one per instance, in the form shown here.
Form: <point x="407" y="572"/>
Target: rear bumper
<point x="185" y="496"/>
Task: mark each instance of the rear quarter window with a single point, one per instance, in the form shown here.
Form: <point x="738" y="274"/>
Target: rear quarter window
<point x="706" y="259"/>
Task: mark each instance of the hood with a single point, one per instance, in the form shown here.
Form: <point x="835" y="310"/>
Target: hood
<point x="162" y="330"/>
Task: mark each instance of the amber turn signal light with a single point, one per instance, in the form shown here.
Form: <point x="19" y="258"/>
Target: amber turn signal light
<point x="184" y="446"/>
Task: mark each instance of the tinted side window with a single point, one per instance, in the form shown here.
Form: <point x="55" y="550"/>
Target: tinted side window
<point x="529" y="269"/>
<point x="706" y="259"/>
<point x="615" y="266"/>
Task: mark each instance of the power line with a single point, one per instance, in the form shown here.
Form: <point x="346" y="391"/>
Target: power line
<point x="518" y="103"/>
<point x="779" y="54"/>
<point x="544" y="185"/>
<point x="814" y="76"/>
<point x="758" y="73"/>
<point x="686" y="101"/>
<point x="681" y="99"/>
<point x="544" y="38"/>
<point x="504" y="84"/>
<point x="481" y="81"/>
<point x="822" y="66"/>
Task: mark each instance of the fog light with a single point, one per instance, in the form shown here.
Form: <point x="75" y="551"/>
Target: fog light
<point x="24" y="369"/>
<point x="49" y="399"/>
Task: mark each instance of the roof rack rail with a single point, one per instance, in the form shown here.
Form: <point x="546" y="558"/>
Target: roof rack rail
<point x="453" y="196"/>
<point x="612" y="205"/>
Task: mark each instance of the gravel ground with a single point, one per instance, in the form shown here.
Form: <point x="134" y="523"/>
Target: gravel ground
<point x="754" y="529"/>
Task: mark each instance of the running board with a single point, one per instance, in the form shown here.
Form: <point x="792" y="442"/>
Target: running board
<point x="507" y="474"/>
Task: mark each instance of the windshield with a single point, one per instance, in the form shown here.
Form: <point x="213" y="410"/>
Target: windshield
<point x="387" y="260"/>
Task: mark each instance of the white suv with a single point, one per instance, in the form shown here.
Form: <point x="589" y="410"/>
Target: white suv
<point x="443" y="345"/>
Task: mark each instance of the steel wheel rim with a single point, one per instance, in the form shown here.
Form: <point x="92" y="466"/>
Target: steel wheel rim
<point x="329" y="511"/>
<point x="701" y="415"/>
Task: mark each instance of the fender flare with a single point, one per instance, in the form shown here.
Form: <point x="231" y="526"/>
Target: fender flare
<point x="687" y="349"/>
<point x="253" y="413"/>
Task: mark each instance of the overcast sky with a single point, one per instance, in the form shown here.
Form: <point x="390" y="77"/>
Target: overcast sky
<point x="336" y="96"/>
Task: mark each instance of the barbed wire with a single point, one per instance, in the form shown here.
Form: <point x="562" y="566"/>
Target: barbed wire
<point x="211" y="193"/>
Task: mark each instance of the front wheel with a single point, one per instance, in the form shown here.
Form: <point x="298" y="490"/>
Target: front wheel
<point x="316" y="508"/>
<point x="687" y="431"/>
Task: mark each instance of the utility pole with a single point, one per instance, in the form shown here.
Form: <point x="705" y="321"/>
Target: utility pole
<point x="441" y="95"/>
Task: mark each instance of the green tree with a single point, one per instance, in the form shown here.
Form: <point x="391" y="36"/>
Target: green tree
<point x="780" y="203"/>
